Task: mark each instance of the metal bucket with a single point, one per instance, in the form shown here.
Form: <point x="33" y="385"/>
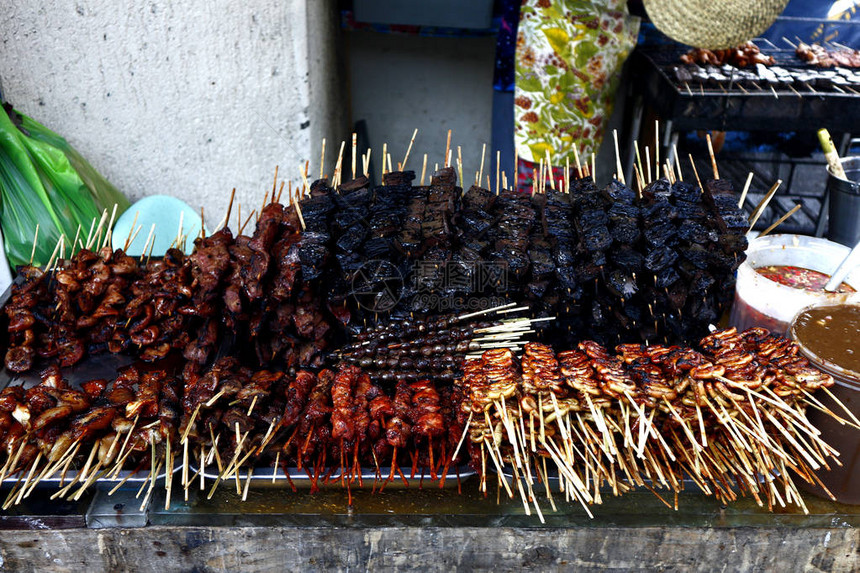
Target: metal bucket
<point x="844" y="210"/>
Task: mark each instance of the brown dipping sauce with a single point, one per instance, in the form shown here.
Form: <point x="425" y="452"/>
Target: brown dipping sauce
<point x="832" y="333"/>
<point x="799" y="278"/>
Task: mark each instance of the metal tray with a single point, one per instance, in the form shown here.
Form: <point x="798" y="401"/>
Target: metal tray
<point x="106" y="366"/>
<point x="128" y="476"/>
<point x="100" y="366"/>
<point x="368" y="478"/>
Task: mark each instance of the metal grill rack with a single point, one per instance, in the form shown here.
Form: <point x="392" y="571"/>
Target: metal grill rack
<point x="790" y="95"/>
<point x="801" y="97"/>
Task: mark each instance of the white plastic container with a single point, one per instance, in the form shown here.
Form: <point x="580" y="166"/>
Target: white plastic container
<point x="760" y="301"/>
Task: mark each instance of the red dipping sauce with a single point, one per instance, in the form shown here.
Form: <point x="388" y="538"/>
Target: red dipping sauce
<point x="800" y="278"/>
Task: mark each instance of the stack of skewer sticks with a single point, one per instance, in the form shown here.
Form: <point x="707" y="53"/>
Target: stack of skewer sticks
<point x="730" y="417"/>
<point x="643" y="174"/>
<point x="575" y="211"/>
<point x="121" y="437"/>
<point x="232" y="418"/>
<point x="419" y="348"/>
<point x="225" y="425"/>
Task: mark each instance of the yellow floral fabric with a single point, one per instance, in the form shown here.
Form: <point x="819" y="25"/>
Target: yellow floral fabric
<point x="568" y="59"/>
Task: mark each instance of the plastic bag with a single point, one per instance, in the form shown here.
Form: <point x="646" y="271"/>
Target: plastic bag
<point x="23" y="202"/>
<point x="104" y="194"/>
<point x="40" y="185"/>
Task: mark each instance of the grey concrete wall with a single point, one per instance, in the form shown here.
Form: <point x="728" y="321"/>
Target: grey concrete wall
<point x="188" y="99"/>
<point x="400" y="83"/>
<point x="329" y="109"/>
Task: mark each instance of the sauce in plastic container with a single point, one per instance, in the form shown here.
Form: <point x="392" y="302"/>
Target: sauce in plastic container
<point x="799" y="277"/>
<point x="831" y="334"/>
<point x="762" y="301"/>
<point x="829" y="337"/>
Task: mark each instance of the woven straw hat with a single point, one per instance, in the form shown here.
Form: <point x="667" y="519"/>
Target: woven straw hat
<point x="713" y="24"/>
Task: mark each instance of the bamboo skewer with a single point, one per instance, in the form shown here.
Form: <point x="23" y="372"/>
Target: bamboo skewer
<point x="639" y="162"/>
<point x="366" y="170"/>
<point x="593" y="168"/>
<point x="620" y="171"/>
<point x="746" y="190"/>
<point x="549" y="169"/>
<point x="781" y="220"/>
<point x="35" y="242"/>
<point x="460" y="164"/>
<point x="53" y="255"/>
<point x="498" y="167"/>
<point x="322" y="159"/>
<point x="62" y="256"/>
<point x="248" y="218"/>
<point x="76" y="240"/>
<point x="354" y="149"/>
<point x="841" y="405"/>
<point x="133" y="236"/>
<point x="667" y="173"/>
<point x="226" y="219"/>
<point x="179" y="229"/>
<point x="639" y="182"/>
<point x="306" y="188"/>
<point x="677" y="162"/>
<point x="656" y="149"/>
<point x="408" y="149"/>
<point x="566" y="175"/>
<point x="92" y="237"/>
<point x="647" y="173"/>
<point x="481" y="168"/>
<point x="695" y="172"/>
<point x="90" y="233"/>
<point x="713" y="158"/>
<point x="149" y="238"/>
<point x="759" y="209"/>
<point x="336" y="178"/>
<point x="447" y="156"/>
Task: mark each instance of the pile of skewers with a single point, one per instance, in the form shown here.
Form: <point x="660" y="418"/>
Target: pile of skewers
<point x="94" y="431"/>
<point x="818" y="55"/>
<point x="166" y="416"/>
<point x="740" y="57"/>
<point x="224" y="424"/>
<point x="329" y="425"/>
<point x="610" y="264"/>
<point x="730" y="417"/>
<point x="249" y="288"/>
<point x="434" y="348"/>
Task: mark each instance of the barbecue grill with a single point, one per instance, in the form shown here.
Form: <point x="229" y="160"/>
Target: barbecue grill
<point x="787" y="96"/>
